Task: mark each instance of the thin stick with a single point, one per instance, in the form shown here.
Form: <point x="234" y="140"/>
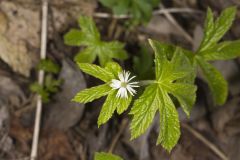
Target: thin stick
<point x="205" y="141"/>
<point x="174" y="22"/>
<point x="157" y="12"/>
<point x="40" y="80"/>
<point x="116" y="138"/>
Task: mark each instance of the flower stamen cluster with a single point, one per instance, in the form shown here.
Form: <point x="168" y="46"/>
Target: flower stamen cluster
<point x="124" y="85"/>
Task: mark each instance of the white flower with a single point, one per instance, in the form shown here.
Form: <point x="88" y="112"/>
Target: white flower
<point x="124" y="85"/>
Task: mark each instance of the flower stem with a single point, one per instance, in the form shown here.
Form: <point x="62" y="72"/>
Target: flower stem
<point x="146" y="82"/>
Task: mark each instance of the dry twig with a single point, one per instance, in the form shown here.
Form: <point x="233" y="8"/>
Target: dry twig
<point x="175" y="23"/>
<point x="157" y="12"/>
<point x="205" y="141"/>
<point x="40" y="81"/>
<point x="116" y="138"/>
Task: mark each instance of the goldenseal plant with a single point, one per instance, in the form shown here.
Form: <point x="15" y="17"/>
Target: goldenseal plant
<point x="169" y="72"/>
<point x="94" y="47"/>
<point x="172" y="86"/>
<point x="210" y="50"/>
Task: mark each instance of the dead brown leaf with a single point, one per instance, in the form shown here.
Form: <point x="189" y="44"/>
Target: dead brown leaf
<point x="22" y="30"/>
<point x="11" y="92"/>
<point x="54" y="145"/>
<point x="20" y="134"/>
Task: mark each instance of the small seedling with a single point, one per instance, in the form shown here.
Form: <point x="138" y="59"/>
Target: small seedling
<point x="51" y="85"/>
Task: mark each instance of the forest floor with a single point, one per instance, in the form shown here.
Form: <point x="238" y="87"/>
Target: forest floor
<point x="69" y="131"/>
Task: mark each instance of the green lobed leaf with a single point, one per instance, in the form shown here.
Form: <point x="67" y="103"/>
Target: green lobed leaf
<point x="184" y="65"/>
<point x="88" y="95"/>
<point x="104" y="50"/>
<point x="162" y="50"/>
<point x="74" y="38"/>
<point x="161" y="58"/>
<point x="169" y="51"/>
<point x="37" y="88"/>
<point x="169" y="71"/>
<point x="114" y="49"/>
<point x="208" y="28"/>
<point x="111" y="104"/>
<point x="52" y="85"/>
<point x="216" y="81"/>
<point x="108" y="108"/>
<point x="106" y="156"/>
<point x="122" y="104"/>
<point x="185" y="94"/>
<point x="214" y="31"/>
<point x="209" y="50"/>
<point x="114" y="68"/>
<point x="179" y="66"/>
<point x="48" y="66"/>
<point x="89" y="29"/>
<point x="224" y="22"/>
<point x="144" y="110"/>
<point x="103" y="59"/>
<point x="96" y="71"/>
<point x="108" y="50"/>
<point x="169" y="123"/>
<point x="86" y="56"/>
<point x="89" y="37"/>
<point x="222" y="51"/>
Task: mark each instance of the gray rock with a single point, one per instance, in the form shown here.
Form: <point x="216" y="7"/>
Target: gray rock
<point x="5" y="141"/>
<point x="4" y="115"/>
<point x="63" y="113"/>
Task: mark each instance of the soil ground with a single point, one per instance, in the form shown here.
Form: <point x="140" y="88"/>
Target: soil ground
<point x="69" y="131"/>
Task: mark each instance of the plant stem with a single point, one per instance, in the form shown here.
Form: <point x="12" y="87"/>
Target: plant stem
<point x="146" y="82"/>
<point x="123" y="127"/>
<point x="212" y="146"/>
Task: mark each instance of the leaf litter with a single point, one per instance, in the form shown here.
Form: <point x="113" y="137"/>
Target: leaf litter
<point x="218" y="125"/>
